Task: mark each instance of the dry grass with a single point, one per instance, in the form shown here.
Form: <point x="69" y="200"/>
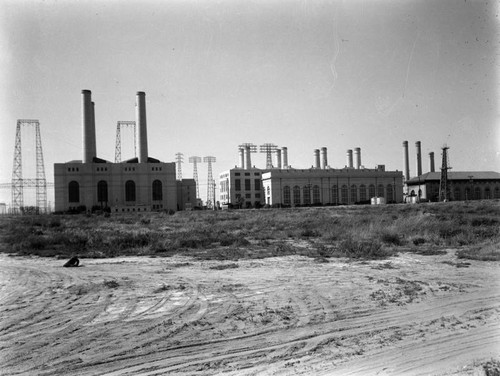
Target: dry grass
<point x="356" y="232"/>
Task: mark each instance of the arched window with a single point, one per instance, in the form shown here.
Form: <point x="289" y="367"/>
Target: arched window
<point x="477" y="193"/>
<point x="129" y="191"/>
<point x="456" y="194"/>
<point x="74" y="191"/>
<point x="307" y="194"/>
<point x="354" y="193"/>
<point x="157" y="191"/>
<point x="102" y="191"/>
<point x="316" y="195"/>
<point x="390" y="193"/>
<point x="286" y="195"/>
<point x="371" y="191"/>
<point x="362" y="192"/>
<point x="468" y="194"/>
<point x="296" y="195"/>
<point x="380" y="191"/>
<point x="335" y="198"/>
<point x="343" y="195"/>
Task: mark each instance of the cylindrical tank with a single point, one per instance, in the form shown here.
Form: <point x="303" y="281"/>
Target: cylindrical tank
<point x="431" y="162"/>
<point x="349" y="158"/>
<point x="357" y="155"/>
<point x="316" y="159"/>
<point x="142" y="131"/>
<point x="242" y="157"/>
<point x="88" y="137"/>
<point x="419" y="158"/>
<point x="324" y="158"/>
<point x="406" y="160"/>
<point x="278" y="158"/>
<point x="284" y="152"/>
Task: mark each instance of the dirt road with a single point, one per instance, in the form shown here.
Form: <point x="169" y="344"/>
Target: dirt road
<point x="409" y="315"/>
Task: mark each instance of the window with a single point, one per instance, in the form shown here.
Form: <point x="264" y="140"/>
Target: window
<point x="456" y="194"/>
<point x="354" y="193"/>
<point x="257" y="195"/>
<point x="157" y="191"/>
<point x="248" y="186"/>
<point x="335" y="199"/>
<point x="390" y="193"/>
<point x="316" y="195"/>
<point x="496" y="192"/>
<point x="380" y="191"/>
<point x="256" y="173"/>
<point x="247" y="174"/>
<point x="237" y="185"/>
<point x="286" y="195"/>
<point x="129" y="191"/>
<point x="248" y="195"/>
<point x="362" y="192"/>
<point x="257" y="184"/>
<point x="477" y="193"/>
<point x="74" y="191"/>
<point x="371" y="190"/>
<point x="102" y="191"/>
<point x="307" y="194"/>
<point x="343" y="195"/>
<point x="487" y="193"/>
<point x="236" y="174"/>
<point x="296" y="195"/>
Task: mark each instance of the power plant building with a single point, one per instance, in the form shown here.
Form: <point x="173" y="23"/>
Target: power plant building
<point x="319" y="185"/>
<point x="140" y="184"/>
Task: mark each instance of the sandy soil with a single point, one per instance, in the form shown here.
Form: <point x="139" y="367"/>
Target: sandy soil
<point x="409" y="315"/>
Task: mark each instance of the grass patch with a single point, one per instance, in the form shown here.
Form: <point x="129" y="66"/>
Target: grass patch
<point x="486" y="252"/>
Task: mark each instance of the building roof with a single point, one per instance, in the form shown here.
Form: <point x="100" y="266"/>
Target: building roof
<point x="455" y="175"/>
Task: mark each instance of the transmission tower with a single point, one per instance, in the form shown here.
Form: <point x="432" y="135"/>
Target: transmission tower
<point x="195" y="161"/>
<point x="248" y="149"/>
<point x="18" y="183"/>
<point x="210" y="183"/>
<point x="269" y="149"/>
<point x="444" y="189"/>
<point x="179" y="157"/>
<point x="118" y="148"/>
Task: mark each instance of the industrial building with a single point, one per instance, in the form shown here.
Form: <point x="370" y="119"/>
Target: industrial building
<point x="319" y="185"/>
<point x="140" y="184"/>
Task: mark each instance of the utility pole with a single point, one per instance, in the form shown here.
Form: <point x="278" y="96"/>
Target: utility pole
<point x="118" y="145"/>
<point x="18" y="183"/>
<point x="444" y="189"/>
<point x="269" y="149"/>
<point x="210" y="183"/>
<point x="195" y="161"/>
<point x="179" y="157"/>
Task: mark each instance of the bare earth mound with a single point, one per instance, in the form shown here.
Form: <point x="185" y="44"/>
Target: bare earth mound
<point x="410" y="314"/>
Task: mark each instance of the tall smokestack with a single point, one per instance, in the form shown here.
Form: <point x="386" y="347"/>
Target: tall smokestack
<point x="242" y="157"/>
<point x="431" y="162"/>
<point x="248" y="158"/>
<point x="278" y="157"/>
<point x="87" y="128"/>
<point x="407" y="160"/>
<point x="284" y="152"/>
<point x="349" y="158"/>
<point x="324" y="158"/>
<point x="92" y="117"/>
<point x="316" y="158"/>
<point x="142" y="131"/>
<point x="419" y="158"/>
<point x="357" y="155"/>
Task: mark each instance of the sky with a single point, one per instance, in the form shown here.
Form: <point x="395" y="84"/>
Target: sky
<point x="219" y="73"/>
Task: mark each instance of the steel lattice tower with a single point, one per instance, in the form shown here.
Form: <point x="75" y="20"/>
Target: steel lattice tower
<point x="195" y="161"/>
<point x="269" y="149"/>
<point x="179" y="157"/>
<point x="210" y="182"/>
<point x="18" y="183"/>
<point x="444" y="189"/>
<point x="118" y="147"/>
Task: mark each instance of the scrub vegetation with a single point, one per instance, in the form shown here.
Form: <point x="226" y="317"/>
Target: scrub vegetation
<point x="356" y="232"/>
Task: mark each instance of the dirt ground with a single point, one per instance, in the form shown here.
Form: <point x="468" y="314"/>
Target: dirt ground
<point x="408" y="315"/>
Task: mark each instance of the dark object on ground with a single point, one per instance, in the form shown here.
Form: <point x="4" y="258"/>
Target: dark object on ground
<point x="73" y="261"/>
